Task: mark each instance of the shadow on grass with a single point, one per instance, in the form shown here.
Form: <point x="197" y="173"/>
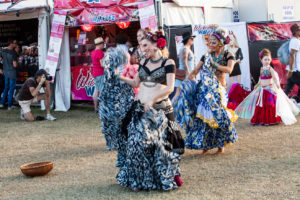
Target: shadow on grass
<point x="63" y="154"/>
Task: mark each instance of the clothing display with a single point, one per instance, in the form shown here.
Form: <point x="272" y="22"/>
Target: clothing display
<point x="268" y="104"/>
<point x="201" y="110"/>
<point x="236" y="69"/>
<point x="236" y="95"/>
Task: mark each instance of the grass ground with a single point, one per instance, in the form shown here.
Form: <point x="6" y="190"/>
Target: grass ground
<point x="263" y="164"/>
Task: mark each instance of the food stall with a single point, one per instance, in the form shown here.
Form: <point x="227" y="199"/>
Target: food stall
<point x="27" y="22"/>
<point x="85" y="21"/>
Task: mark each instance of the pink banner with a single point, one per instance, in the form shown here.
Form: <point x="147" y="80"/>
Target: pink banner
<point x="83" y="85"/>
<point x="77" y="4"/>
<point x="269" y="31"/>
<point x="147" y="15"/>
<point x="57" y="31"/>
<point x="104" y="15"/>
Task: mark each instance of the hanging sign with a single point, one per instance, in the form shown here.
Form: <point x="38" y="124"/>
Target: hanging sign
<point x="57" y="31"/>
<point x="147" y="15"/>
<point x="75" y="4"/>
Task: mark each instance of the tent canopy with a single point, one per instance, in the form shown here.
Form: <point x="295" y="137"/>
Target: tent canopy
<point x="205" y="3"/>
<point x="23" y="5"/>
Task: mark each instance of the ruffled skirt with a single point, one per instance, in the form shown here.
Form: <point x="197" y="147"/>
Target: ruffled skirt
<point x="264" y="107"/>
<point x="150" y="162"/>
<point x="201" y="110"/>
<point x="266" y="115"/>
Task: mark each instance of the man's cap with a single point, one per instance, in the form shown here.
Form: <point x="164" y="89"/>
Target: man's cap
<point x="98" y="40"/>
<point x="187" y="35"/>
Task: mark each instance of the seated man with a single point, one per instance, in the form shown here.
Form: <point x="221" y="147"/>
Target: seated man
<point x="29" y="94"/>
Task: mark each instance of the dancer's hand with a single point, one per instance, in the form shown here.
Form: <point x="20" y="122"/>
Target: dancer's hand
<point x="148" y="105"/>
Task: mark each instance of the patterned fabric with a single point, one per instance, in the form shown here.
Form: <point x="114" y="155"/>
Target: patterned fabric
<point x="208" y="122"/>
<point x="114" y="103"/>
<point x="148" y="154"/>
<point x="268" y="104"/>
<point x="266" y="115"/>
<point x="148" y="164"/>
<point x="131" y="71"/>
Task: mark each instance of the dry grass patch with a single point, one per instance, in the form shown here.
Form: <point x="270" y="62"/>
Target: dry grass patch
<point x="263" y="164"/>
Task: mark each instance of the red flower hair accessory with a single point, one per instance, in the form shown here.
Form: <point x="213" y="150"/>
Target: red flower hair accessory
<point x="161" y="43"/>
<point x="154" y="38"/>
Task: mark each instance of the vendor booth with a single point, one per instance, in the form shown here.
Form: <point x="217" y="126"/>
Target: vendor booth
<point x="85" y="21"/>
<point x="27" y="22"/>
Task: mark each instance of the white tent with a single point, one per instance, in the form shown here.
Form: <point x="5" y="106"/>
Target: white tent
<point x="182" y="12"/>
<point x="30" y="9"/>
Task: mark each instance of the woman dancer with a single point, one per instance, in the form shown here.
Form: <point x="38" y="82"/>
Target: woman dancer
<point x="186" y="59"/>
<point x="150" y="144"/>
<point x="268" y="104"/>
<point x="201" y="107"/>
<point x="237" y="52"/>
<point x="137" y="51"/>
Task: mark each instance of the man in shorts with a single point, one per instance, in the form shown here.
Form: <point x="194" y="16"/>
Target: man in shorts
<point x="98" y="70"/>
<point x="29" y="94"/>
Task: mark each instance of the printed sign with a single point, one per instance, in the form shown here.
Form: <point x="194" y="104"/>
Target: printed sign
<point x="83" y="85"/>
<point x="147" y="15"/>
<point x="288" y="10"/>
<point x="238" y="36"/>
<point x="179" y="44"/>
<point x="55" y="41"/>
<point x="75" y="4"/>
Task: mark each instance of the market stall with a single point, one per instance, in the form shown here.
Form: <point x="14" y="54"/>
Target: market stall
<point x="27" y="22"/>
<point x="85" y="21"/>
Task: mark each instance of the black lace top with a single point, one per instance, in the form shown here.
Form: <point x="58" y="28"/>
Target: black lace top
<point x="158" y="75"/>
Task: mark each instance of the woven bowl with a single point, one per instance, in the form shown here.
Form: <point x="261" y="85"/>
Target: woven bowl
<point x="37" y="169"/>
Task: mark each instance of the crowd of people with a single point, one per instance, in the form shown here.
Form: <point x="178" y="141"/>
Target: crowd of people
<point x="143" y="122"/>
<point x="13" y="60"/>
<point x="145" y="125"/>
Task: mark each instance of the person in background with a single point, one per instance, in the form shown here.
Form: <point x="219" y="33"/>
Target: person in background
<point x="130" y="69"/>
<point x="267" y="104"/>
<point x="201" y="107"/>
<point x="98" y="71"/>
<point x="186" y="59"/>
<point x="294" y="61"/>
<point x="10" y="63"/>
<point x="234" y="48"/>
<point x="29" y="94"/>
<point x="138" y="54"/>
<point x="2" y="80"/>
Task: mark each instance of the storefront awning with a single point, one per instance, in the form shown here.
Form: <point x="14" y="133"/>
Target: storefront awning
<point x="82" y="4"/>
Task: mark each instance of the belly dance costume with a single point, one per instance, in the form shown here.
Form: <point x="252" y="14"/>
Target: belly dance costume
<point x="267" y="104"/>
<point x="149" y="144"/>
<point x="201" y="109"/>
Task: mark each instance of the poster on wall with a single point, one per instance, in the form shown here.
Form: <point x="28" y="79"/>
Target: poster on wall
<point x="57" y="31"/>
<point x="288" y="10"/>
<point x="237" y="33"/>
<point x="179" y="44"/>
<point x="83" y="85"/>
<point x="147" y="15"/>
<point x="269" y="31"/>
